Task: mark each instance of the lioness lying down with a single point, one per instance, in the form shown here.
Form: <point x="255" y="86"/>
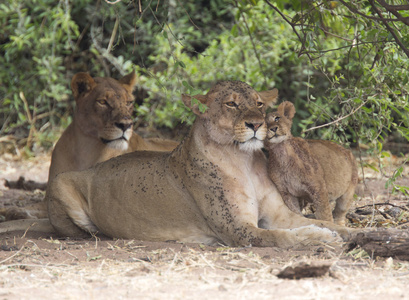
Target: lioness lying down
<point x="213" y="187"/>
<point x="101" y="129"/>
<point x="316" y="171"/>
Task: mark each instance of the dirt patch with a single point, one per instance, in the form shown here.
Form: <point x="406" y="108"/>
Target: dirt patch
<point x="35" y="265"/>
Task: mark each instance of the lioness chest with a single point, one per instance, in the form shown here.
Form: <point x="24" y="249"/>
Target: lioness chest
<point x="246" y="183"/>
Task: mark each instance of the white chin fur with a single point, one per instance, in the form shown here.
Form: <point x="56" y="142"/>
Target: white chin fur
<point x="121" y="145"/>
<point x="251" y="145"/>
<point x="276" y="140"/>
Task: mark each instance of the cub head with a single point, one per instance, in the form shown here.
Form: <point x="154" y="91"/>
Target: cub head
<point x="279" y="123"/>
<point x="235" y="114"/>
<point x="104" y="108"/>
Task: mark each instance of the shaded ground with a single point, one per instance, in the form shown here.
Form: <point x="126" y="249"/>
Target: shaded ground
<point x="34" y="266"/>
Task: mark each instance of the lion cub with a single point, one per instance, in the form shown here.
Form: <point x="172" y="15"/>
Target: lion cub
<point x="317" y="171"/>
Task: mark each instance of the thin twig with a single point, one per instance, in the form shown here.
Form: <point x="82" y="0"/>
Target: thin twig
<point x="190" y="19"/>
<point x="380" y="204"/>
<point x="113" y="35"/>
<point x="10" y="257"/>
<point x="391" y="31"/>
<point x="356" y="11"/>
<point x="254" y="48"/>
<point x="30" y="119"/>
<point x="337" y="120"/>
<point x="113" y="60"/>
<point x="113" y="2"/>
<point x="291" y="24"/>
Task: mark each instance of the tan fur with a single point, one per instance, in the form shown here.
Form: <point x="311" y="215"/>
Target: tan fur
<point x="101" y="129"/>
<point x="213" y="187"/>
<point x="309" y="171"/>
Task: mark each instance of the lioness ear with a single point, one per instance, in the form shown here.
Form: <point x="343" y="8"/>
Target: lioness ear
<point x="187" y="100"/>
<point x="269" y="97"/>
<point x="129" y="81"/>
<point x="82" y="83"/>
<point x="287" y="109"/>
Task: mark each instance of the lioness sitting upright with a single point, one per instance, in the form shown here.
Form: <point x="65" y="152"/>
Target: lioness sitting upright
<point x="213" y="187"/>
<point x="102" y="125"/>
<point x="316" y="171"/>
<point x="101" y="129"/>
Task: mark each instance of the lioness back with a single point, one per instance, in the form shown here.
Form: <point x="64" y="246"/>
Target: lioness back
<point x="309" y="171"/>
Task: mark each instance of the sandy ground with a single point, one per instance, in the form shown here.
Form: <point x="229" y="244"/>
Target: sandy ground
<point x="34" y="265"/>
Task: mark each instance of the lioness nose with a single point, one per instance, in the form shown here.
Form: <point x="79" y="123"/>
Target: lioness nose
<point x="123" y="126"/>
<point x="254" y="126"/>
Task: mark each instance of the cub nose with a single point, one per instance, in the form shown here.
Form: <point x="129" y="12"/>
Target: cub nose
<point x="274" y="129"/>
<point x="123" y="126"/>
<point x="254" y="126"/>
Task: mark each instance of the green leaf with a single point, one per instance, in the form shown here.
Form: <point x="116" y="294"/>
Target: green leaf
<point x="371" y="167"/>
<point x="234" y="31"/>
<point x="182" y="64"/>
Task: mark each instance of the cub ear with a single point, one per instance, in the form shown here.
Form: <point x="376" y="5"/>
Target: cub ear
<point x="129" y="81"/>
<point x="269" y="97"/>
<point x="187" y="100"/>
<point x="287" y="109"/>
<point x="81" y="83"/>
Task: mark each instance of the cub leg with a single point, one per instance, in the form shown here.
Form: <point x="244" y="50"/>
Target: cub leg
<point x="292" y="202"/>
<point x="319" y="196"/>
<point x="343" y="204"/>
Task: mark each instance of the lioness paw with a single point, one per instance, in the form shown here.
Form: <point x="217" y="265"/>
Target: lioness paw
<point x="313" y="235"/>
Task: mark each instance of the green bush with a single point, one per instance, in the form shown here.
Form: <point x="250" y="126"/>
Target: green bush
<point x="35" y="37"/>
<point x="345" y="73"/>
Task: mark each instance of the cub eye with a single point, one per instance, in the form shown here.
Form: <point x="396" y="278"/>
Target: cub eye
<point x="276" y="119"/>
<point x="129" y="103"/>
<point x="102" y="102"/>
<point x="260" y="104"/>
<point x="231" y="104"/>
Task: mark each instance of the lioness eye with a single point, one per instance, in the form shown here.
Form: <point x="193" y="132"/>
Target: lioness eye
<point x="260" y="104"/>
<point x="231" y="104"/>
<point x="129" y="103"/>
<point x="276" y="119"/>
<point x="102" y="102"/>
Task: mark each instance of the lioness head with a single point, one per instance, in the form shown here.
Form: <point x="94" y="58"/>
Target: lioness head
<point x="235" y="114"/>
<point x="279" y="123"/>
<point x="104" y="108"/>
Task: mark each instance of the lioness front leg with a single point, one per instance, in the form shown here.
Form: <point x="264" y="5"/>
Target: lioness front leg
<point x="67" y="208"/>
<point x="276" y="214"/>
<point x="240" y="228"/>
<point x="297" y="221"/>
<point x="287" y="238"/>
